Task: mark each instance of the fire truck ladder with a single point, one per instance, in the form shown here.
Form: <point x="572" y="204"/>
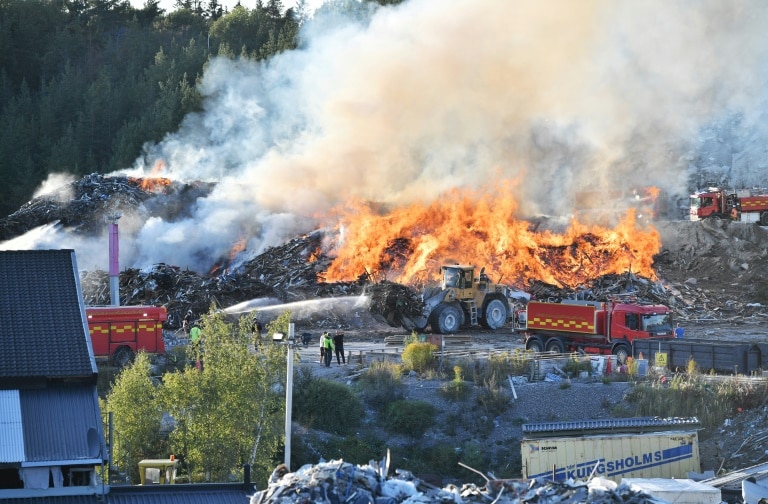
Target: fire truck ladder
<point x="472" y="310"/>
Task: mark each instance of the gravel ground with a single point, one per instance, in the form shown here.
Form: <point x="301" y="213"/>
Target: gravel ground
<point x="467" y="423"/>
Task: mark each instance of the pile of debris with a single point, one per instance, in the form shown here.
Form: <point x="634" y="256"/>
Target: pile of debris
<point x="710" y="270"/>
<point x="82" y="204"/>
<point x="339" y="481"/>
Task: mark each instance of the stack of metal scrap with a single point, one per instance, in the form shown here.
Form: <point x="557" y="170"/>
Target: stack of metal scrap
<point x="341" y="482"/>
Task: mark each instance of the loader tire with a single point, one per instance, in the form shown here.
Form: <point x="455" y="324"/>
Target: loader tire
<point x="495" y="314"/>
<point x="446" y="319"/>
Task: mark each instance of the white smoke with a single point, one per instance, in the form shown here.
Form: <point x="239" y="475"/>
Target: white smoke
<point x="428" y="96"/>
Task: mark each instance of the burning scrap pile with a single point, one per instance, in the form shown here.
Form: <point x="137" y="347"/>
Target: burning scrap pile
<point x="339" y="481"/>
<point x="82" y="204"/>
<point x="280" y="272"/>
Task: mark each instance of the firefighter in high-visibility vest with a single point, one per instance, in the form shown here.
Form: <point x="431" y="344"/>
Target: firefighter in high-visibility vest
<point x="328" y="347"/>
<point x="194" y="339"/>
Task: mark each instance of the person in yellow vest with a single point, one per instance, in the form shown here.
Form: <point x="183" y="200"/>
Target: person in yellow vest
<point x="194" y="339"/>
<point x="329" y="348"/>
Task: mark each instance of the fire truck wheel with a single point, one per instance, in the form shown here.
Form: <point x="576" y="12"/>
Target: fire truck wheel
<point x="534" y="344"/>
<point x="622" y="353"/>
<point x="447" y="319"/>
<point x="764" y="219"/>
<point x="123" y="356"/>
<point x="495" y="314"/>
<point x="555" y="345"/>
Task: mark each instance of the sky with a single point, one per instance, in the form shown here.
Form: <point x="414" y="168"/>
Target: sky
<point x="432" y="95"/>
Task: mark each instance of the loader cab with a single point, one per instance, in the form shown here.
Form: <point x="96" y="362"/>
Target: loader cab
<point x="460" y="278"/>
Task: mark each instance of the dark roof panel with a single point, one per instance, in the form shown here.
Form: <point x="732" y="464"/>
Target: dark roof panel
<point x="62" y="423"/>
<point x="42" y="321"/>
<point x="179" y="494"/>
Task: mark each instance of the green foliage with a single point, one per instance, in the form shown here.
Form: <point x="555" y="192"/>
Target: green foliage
<point x="132" y="400"/>
<point x="353" y="449"/>
<point x="381" y="384"/>
<point x="497" y="366"/>
<point x="412" y="418"/>
<point x="695" y="395"/>
<point x="631" y="366"/>
<point x="84" y="85"/>
<point x="279" y="324"/>
<point x="492" y="398"/>
<point x="229" y="412"/>
<point x="419" y="356"/>
<point x="457" y="389"/>
<point x="411" y="338"/>
<point x="576" y="364"/>
<point x="325" y="405"/>
<point x="691" y="368"/>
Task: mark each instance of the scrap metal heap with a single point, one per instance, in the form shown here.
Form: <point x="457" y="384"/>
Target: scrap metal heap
<point x="339" y="481"/>
<point x="294" y="271"/>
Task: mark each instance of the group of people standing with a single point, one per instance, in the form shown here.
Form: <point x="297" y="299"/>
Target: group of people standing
<point x="330" y="344"/>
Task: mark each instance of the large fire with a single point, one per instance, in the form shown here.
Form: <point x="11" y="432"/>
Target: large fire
<point x="151" y="184"/>
<point x="408" y="245"/>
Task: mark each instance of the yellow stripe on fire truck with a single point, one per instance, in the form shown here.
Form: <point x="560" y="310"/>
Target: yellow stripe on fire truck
<point x="566" y="324"/>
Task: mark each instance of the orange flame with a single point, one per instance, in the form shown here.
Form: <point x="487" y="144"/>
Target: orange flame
<point x="408" y="245"/>
<point x="238" y="247"/>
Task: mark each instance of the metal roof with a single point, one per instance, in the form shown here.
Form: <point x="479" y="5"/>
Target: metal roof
<point x="609" y="426"/>
<point x="223" y="493"/>
<point x="43" y="330"/>
<point x="56" y="425"/>
<point x="62" y="422"/>
<point x="11" y="433"/>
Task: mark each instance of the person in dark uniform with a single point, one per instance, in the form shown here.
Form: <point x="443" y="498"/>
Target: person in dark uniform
<point x="338" y="342"/>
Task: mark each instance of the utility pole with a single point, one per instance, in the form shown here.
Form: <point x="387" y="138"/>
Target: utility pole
<point x="114" y="259"/>
<point x="289" y="395"/>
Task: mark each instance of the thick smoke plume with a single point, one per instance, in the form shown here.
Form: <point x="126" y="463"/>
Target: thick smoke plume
<point x="427" y="96"/>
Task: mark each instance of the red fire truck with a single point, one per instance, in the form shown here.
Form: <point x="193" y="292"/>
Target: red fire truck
<point x="118" y="332"/>
<point x="745" y="205"/>
<point x="592" y="326"/>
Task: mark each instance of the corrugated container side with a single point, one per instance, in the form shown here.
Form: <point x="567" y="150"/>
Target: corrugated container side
<point x="651" y="455"/>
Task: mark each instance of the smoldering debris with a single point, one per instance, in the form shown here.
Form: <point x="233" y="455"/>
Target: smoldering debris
<point x="339" y="481"/>
<point x="702" y="270"/>
<point x="83" y="204"/>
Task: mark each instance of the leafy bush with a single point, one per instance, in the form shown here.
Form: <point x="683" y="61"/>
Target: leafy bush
<point x="457" y="389"/>
<point x="412" y="418"/>
<point x="381" y="384"/>
<point x="354" y="449"/>
<point x="694" y="395"/>
<point x="497" y="366"/>
<point x="324" y="404"/>
<point x="419" y="356"/>
<point x="492" y="399"/>
<point x="576" y="364"/>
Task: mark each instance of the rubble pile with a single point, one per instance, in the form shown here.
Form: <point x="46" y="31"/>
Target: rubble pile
<point x="82" y="204"/>
<point x="714" y="270"/>
<point x="392" y="302"/>
<point x="339" y="481"/>
<point x="708" y="271"/>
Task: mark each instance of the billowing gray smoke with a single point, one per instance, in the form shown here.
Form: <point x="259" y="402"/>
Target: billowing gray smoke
<point x="427" y="96"/>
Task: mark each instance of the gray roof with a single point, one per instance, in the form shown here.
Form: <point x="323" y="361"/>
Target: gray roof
<point x="57" y="424"/>
<point x="43" y="329"/>
<point x="222" y="493"/>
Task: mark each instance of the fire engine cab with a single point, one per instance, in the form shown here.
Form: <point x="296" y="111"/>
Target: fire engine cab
<point x="118" y="332"/>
